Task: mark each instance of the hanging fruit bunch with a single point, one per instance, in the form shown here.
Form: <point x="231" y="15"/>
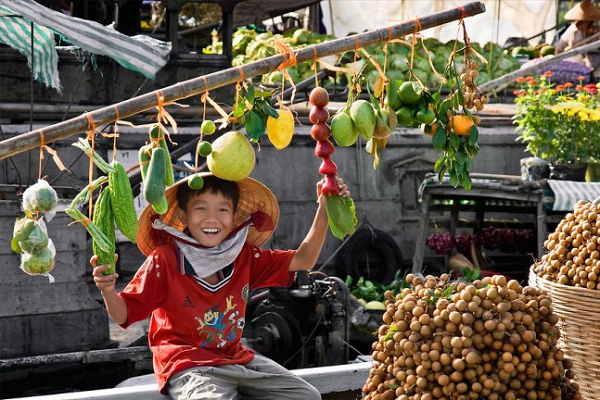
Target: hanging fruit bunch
<point x="371" y="120"/>
<point x="340" y="209"/>
<point x="231" y="155"/>
<point x="30" y="235"/>
<point x="454" y="131"/>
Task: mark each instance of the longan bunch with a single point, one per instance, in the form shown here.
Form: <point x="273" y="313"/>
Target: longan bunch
<point x="573" y="256"/>
<point x="474" y="97"/>
<point x="489" y="339"/>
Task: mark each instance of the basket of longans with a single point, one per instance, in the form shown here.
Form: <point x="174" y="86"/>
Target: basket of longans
<point x="487" y="339"/>
<point x="570" y="273"/>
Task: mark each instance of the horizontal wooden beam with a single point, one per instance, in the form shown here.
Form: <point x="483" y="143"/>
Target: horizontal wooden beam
<point x="196" y="86"/>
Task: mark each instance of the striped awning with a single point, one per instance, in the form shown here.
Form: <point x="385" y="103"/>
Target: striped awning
<point x="17" y="33"/>
<point x="140" y="53"/>
<point x="568" y="193"/>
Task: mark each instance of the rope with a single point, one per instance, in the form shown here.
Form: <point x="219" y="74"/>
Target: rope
<point x="42" y="144"/>
<point x="92" y="137"/>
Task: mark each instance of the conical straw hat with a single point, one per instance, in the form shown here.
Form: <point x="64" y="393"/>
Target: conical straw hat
<point x="584" y="11"/>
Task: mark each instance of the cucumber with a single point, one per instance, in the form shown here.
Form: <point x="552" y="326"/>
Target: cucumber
<point x="155" y="184"/>
<point x="155" y="132"/>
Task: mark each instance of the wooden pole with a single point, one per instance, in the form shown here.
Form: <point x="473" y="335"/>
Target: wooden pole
<point x="505" y="80"/>
<point x="195" y="86"/>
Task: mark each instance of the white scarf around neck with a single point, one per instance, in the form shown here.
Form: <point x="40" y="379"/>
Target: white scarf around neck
<point x="207" y="260"/>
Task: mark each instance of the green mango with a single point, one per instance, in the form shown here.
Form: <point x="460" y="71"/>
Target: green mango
<point x="342" y="129"/>
<point x="363" y="118"/>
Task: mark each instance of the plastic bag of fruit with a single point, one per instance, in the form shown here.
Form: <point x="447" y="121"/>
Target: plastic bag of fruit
<point x="40" y="198"/>
<point x="41" y="263"/>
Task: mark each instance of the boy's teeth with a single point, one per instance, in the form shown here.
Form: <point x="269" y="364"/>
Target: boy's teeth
<point x="210" y="230"/>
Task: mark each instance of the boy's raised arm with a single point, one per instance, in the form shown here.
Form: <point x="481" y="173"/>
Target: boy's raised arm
<point x="308" y="252"/>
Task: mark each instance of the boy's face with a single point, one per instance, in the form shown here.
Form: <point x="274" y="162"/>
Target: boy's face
<point x="209" y="218"/>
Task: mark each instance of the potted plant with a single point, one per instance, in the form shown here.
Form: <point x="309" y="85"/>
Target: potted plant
<point x="559" y="123"/>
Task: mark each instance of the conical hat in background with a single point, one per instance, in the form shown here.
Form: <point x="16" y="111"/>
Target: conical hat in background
<point x="584" y="11"/>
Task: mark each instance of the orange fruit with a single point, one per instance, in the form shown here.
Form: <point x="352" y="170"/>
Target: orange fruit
<point x="434" y="128"/>
<point x="462" y="124"/>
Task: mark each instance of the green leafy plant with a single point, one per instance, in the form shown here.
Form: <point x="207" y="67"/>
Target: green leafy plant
<point x="375" y="291"/>
<point x="470" y="275"/>
<point x="560" y="123"/>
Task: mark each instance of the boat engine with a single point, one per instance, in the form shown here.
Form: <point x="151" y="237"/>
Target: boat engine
<point x="304" y="325"/>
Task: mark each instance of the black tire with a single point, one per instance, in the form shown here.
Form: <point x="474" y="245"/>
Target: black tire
<point x="371" y="254"/>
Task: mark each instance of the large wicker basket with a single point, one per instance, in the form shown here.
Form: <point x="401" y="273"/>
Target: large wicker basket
<point x="578" y="310"/>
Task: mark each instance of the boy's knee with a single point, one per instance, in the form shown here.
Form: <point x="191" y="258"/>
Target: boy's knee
<point x="311" y="392"/>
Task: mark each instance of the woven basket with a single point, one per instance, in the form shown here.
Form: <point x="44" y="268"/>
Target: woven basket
<point x="578" y="310"/>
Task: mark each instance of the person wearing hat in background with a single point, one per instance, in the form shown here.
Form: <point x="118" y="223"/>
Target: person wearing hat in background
<point x="585" y="18"/>
<point x="203" y="258"/>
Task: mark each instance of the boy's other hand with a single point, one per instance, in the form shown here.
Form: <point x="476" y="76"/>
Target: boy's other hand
<point x="105" y="283"/>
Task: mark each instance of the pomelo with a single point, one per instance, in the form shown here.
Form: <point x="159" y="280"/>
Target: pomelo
<point x="232" y="157"/>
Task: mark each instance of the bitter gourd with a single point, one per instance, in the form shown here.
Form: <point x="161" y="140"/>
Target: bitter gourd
<point x="122" y="202"/>
<point x="103" y="218"/>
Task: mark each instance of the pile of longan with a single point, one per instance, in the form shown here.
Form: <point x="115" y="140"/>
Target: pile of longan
<point x="488" y="339"/>
<point x="573" y="256"/>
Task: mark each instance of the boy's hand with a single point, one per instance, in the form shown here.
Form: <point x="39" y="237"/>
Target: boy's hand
<point x="340" y="182"/>
<point x="106" y="283"/>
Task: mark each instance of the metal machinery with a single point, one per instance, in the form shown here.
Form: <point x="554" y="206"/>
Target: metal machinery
<point x="305" y="325"/>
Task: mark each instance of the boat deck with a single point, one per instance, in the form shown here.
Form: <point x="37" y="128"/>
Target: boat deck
<point x="339" y="382"/>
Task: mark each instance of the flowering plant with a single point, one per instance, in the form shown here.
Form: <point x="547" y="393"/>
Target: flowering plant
<point x="558" y="122"/>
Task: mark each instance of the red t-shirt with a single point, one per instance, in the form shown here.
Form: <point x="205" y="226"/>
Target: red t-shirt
<point x="192" y="322"/>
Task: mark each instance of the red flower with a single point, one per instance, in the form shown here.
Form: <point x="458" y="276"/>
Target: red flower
<point x="579" y="87"/>
<point x="520" y="79"/>
<point x="548" y="73"/>
<point x="580" y="78"/>
<point x="568" y="84"/>
<point x="560" y="88"/>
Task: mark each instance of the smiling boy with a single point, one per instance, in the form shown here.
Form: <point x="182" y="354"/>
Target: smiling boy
<point x="204" y="257"/>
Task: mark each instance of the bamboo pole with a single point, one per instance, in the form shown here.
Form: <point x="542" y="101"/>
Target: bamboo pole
<point x="195" y="86"/>
<point x="505" y="80"/>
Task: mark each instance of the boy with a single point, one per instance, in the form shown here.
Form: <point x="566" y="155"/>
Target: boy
<point x="203" y="258"/>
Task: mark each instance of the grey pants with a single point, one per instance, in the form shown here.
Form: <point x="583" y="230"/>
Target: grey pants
<point x="261" y="378"/>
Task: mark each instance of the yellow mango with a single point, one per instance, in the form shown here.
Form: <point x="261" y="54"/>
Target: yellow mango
<point x="280" y="130"/>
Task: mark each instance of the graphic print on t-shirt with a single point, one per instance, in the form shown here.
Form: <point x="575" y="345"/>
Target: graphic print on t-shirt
<point x="220" y="327"/>
<point x="147" y="267"/>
